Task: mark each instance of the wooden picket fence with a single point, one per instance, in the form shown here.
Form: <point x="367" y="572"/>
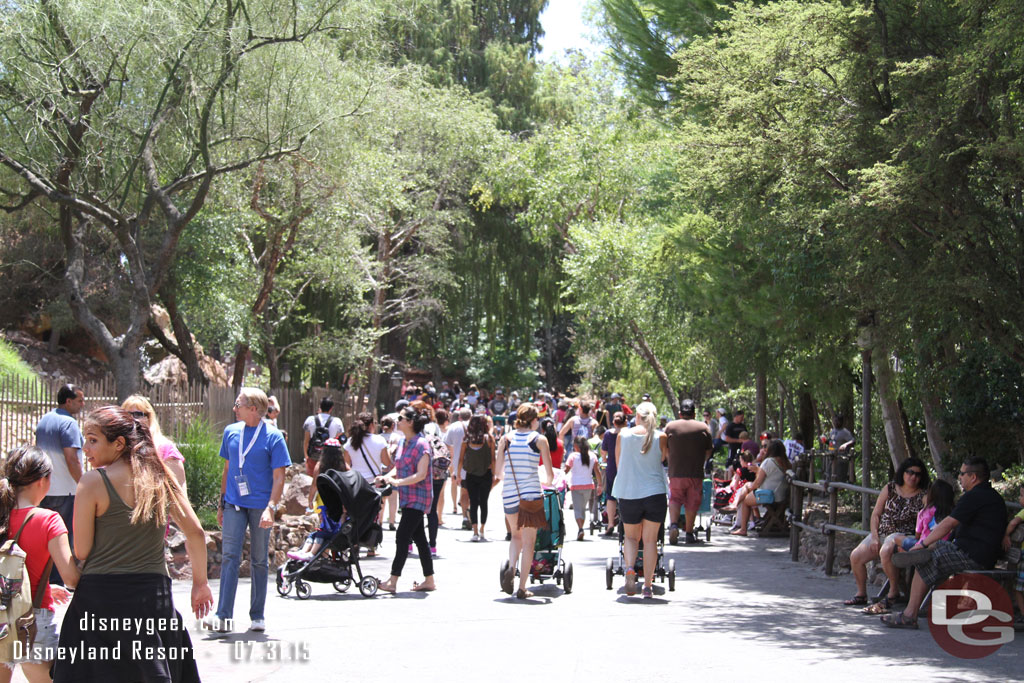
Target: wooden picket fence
<point x="24" y="402"/>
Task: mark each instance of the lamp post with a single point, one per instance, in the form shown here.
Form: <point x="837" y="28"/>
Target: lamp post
<point x="286" y="374"/>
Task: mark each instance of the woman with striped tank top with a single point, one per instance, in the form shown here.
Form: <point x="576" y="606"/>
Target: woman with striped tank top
<point x="520" y="452"/>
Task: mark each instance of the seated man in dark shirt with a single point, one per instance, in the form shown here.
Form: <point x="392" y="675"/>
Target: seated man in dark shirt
<point x="977" y="523"/>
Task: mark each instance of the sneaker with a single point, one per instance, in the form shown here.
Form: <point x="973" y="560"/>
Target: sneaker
<point x="391" y="526"/>
<point x="410" y="547"/>
<point x="911" y="558"/>
<point x="466" y="524"/>
<point x="579" y="536"/>
<point x="216" y="624"/>
<point x="648" y="592"/>
<point x="751" y="525"/>
<point x="508" y="536"/>
<point x="297" y="555"/>
<point x="673" y="535"/>
<point x="475" y="538"/>
<point x="258" y="625"/>
<point x="433" y="552"/>
<point x="691" y="538"/>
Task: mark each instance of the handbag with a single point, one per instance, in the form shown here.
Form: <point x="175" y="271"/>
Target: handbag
<point x="531" y="512"/>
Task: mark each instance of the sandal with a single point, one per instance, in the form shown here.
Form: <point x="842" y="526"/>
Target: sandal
<point x="899" y="620"/>
<point x="506" y="580"/>
<point x="856" y="601"/>
<point x="883" y="606"/>
<point x="523" y="594"/>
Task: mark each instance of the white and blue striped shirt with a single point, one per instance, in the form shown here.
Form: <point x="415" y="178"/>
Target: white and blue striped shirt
<point x="524" y="460"/>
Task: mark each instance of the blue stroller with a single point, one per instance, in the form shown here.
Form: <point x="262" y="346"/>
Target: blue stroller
<point x="547" y="557"/>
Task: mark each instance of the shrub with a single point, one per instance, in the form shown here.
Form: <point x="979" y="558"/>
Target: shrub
<point x="203" y="467"/>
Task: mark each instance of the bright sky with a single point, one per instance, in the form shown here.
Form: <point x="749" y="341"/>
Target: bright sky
<point x="563" y="25"/>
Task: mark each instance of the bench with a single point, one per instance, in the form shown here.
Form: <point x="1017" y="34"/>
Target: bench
<point x="773" y="523"/>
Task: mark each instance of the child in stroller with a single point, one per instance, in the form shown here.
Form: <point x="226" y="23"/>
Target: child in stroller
<point x="330" y="459"/>
<point x="337" y="559"/>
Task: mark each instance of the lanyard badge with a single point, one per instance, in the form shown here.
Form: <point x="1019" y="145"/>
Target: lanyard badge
<point x="241" y="481"/>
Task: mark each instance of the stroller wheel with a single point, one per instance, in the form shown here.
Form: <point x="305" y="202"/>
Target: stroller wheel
<point x="671" y="575"/>
<point x="302" y="589"/>
<point x="608" y="572"/>
<point x="284" y="586"/>
<point x="342" y="586"/>
<point x="567" y="578"/>
<point x="368" y="586"/>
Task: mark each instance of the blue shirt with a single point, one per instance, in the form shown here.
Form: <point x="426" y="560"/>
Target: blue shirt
<point x="640" y="474"/>
<point x="267" y="454"/>
<point x="56" y="431"/>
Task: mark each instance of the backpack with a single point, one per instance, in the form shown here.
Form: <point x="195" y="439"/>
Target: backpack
<point x="440" y="458"/>
<point x="582" y="428"/>
<point x="17" y="620"/>
<point x="321" y="433"/>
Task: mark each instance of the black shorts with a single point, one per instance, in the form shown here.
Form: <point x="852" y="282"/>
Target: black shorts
<point x="636" y="510"/>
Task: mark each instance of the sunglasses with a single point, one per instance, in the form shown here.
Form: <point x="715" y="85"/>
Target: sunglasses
<point x="964" y="472"/>
<point x="916" y="473"/>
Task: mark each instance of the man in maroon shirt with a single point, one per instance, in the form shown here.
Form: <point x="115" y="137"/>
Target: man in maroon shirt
<point x="689" y="447"/>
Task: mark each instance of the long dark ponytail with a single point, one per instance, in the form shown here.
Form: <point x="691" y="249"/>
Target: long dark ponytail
<point x="24" y="466"/>
<point x="583" y="446"/>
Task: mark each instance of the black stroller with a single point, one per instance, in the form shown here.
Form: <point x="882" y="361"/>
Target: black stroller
<point x="616" y="566"/>
<point x="337" y="560"/>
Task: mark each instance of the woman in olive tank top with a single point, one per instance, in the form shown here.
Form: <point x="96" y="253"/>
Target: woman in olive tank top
<point x="121" y="510"/>
<point x="477" y="460"/>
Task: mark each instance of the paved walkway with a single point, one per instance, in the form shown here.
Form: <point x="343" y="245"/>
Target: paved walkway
<point x="740" y="608"/>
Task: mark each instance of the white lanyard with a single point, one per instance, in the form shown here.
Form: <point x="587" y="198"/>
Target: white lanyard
<point x="241" y="437"/>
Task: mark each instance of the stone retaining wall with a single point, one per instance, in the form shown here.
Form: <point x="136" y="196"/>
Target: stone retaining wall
<point x="289" y="531"/>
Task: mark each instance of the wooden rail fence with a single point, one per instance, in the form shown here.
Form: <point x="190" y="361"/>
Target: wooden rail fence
<point x="24" y="402"/>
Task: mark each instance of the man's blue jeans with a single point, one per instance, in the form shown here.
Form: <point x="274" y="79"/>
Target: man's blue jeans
<point x="235" y="522"/>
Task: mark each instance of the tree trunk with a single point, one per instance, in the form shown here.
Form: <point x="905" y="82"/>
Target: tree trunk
<point x="273" y="362"/>
<point x="905" y="424"/>
<point x="894" y="434"/>
<point x="781" y="424"/>
<point x="807" y="419"/>
<point x="865" y="437"/>
<point x="933" y="430"/>
<point x="760" y="402"/>
<point x="241" y="355"/>
<point x="647" y="353"/>
<point x="185" y="350"/>
<point x="127" y="369"/>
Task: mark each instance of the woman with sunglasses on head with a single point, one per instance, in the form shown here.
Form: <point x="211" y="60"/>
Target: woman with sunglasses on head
<point x="411" y="476"/>
<point x="895" y="512"/>
<point x="141" y="409"/>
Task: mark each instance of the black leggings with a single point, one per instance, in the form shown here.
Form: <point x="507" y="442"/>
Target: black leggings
<point x="432" y="521"/>
<point x="410" y="529"/>
<point x="479" y="487"/>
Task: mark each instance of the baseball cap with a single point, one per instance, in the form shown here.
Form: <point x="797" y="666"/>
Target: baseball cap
<point x="616" y="396"/>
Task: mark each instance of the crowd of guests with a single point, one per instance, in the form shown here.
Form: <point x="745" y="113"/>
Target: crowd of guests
<point x="95" y="539"/>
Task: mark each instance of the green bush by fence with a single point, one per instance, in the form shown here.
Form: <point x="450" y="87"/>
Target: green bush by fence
<point x="203" y="467"/>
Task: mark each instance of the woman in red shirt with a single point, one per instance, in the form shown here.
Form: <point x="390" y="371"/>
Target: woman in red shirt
<point x="43" y="536"/>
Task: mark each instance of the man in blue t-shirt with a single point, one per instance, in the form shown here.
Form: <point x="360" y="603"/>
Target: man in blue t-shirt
<point x="256" y="457"/>
<point x="58" y="435"/>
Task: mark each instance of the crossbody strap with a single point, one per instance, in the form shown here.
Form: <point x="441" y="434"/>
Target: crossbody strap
<point x="44" y="579"/>
<point x="366" y="459"/>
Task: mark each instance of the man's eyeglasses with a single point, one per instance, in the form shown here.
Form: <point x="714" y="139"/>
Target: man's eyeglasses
<point x="138" y="414"/>
<point x="963" y="472"/>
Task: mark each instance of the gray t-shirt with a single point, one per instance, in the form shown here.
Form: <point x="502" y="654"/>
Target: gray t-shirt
<point x="56" y="431"/>
<point x="453" y="438"/>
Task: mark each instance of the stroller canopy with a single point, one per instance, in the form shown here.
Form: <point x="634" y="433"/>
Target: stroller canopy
<point x="350" y="491"/>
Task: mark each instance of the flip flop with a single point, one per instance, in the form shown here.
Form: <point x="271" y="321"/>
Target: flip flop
<point x="420" y="588"/>
<point x="899" y="620"/>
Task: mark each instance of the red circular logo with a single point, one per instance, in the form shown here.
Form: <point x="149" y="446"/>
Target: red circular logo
<point x="971" y="616"/>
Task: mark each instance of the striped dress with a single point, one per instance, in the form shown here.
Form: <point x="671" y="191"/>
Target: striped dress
<point x="525" y="461"/>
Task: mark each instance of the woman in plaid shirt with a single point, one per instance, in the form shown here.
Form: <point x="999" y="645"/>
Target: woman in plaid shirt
<point x="411" y="476"/>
